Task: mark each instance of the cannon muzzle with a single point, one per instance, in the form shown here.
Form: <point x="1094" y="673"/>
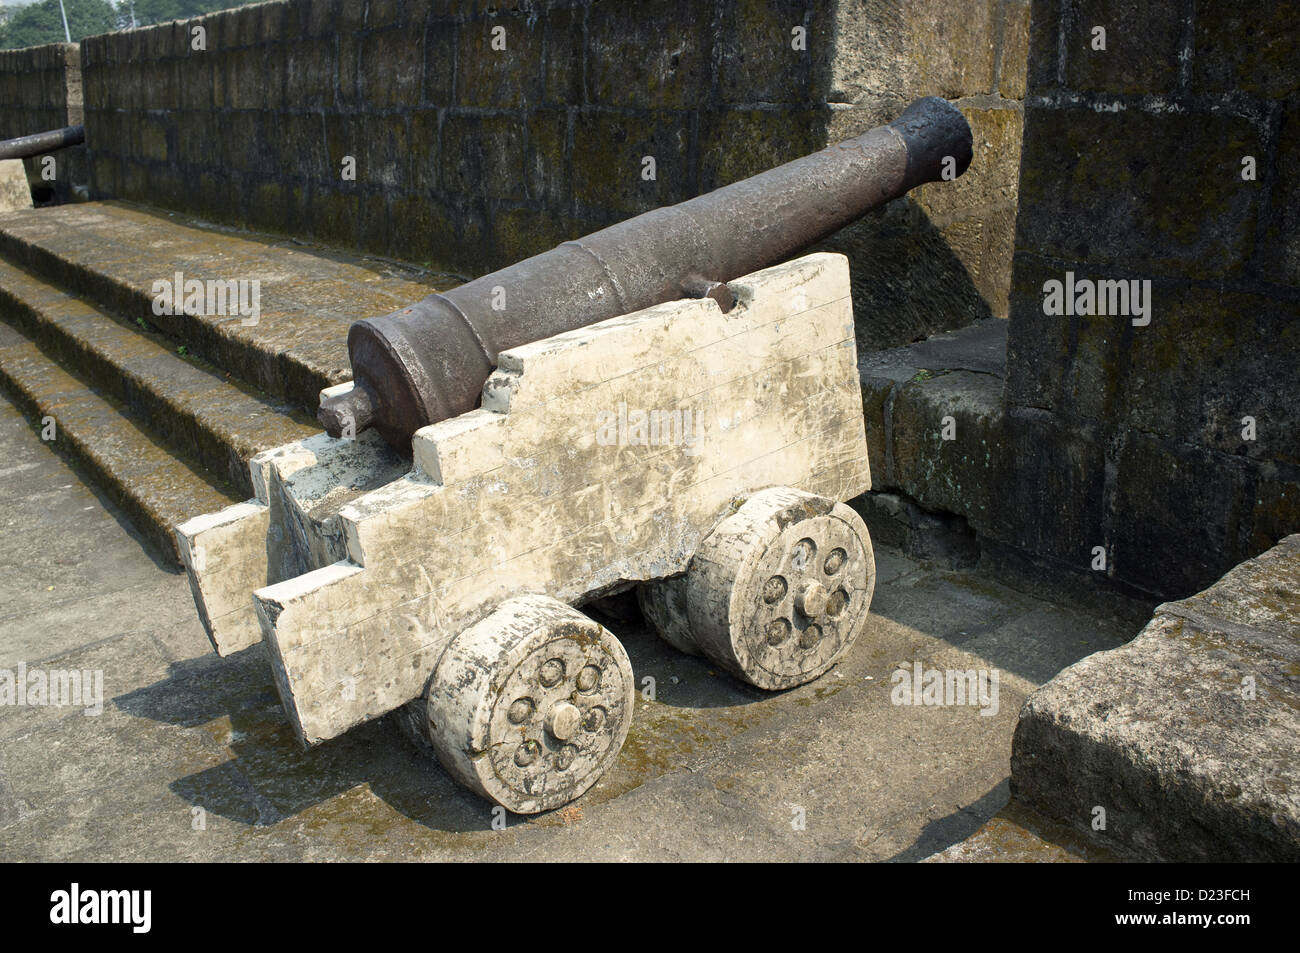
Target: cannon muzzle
<point x="428" y="362"/>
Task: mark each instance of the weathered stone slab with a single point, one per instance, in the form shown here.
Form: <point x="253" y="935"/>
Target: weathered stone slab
<point x="1187" y="736"/>
<point x="935" y="424"/>
<point x="195" y="408"/>
<point x="552" y="487"/>
<point x="154" y="488"/>
<point x="113" y="254"/>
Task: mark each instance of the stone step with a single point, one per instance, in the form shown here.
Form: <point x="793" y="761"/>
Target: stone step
<point x="154" y="485"/>
<point x="181" y="400"/>
<point x="112" y="253"/>
<point x="1183" y="741"/>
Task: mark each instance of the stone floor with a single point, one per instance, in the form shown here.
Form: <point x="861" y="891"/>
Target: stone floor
<point x="191" y="757"/>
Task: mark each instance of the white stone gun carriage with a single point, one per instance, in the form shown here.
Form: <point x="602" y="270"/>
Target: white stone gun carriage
<point x="703" y="457"/>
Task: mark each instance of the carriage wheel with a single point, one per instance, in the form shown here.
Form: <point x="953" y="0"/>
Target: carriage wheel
<point x="531" y="705"/>
<point x="779" y="591"/>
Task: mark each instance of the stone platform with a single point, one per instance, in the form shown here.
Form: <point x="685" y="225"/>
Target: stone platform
<point x="1186" y="737"/>
<point x="192" y="757"/>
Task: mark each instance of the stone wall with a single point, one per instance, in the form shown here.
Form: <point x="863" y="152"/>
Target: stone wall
<point x="40" y="90"/>
<point x="1133" y="437"/>
<point x="940" y="257"/>
<point x="469" y="157"/>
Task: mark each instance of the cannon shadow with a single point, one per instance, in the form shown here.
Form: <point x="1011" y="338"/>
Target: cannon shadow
<point x="270" y="777"/>
<point x="374" y="781"/>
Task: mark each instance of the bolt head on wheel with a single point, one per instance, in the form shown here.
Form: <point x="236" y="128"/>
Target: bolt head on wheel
<point x="530" y="706"/>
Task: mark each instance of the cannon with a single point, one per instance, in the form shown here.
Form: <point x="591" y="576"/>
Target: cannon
<point x="427" y="362"/>
<point x="24" y="147"/>
<point x="700" y="457"/>
<point x="700" y="450"/>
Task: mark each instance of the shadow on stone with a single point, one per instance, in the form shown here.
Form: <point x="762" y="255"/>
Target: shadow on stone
<point x="943" y="832"/>
<point x="907" y="281"/>
<point x="271" y="777"/>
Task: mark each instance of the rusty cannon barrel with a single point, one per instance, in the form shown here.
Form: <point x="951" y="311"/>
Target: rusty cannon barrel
<point x="428" y="362"/>
<point x="24" y="147"/>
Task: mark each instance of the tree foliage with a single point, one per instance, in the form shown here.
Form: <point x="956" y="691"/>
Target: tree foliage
<point x="41" y="22"/>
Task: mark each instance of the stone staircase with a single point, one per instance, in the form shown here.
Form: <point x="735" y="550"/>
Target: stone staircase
<point x="163" y="412"/>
